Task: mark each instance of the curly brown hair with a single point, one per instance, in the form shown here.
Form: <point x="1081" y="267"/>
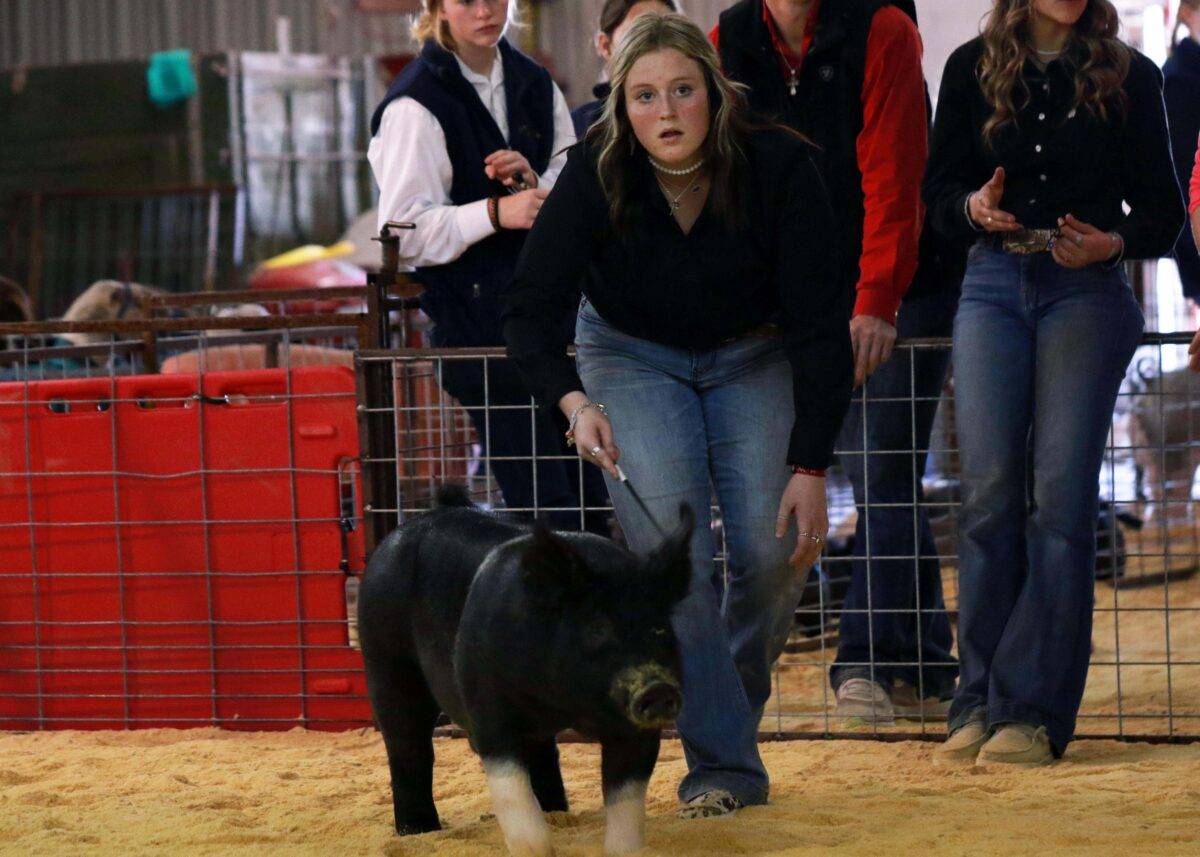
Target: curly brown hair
<point x="1100" y="60"/>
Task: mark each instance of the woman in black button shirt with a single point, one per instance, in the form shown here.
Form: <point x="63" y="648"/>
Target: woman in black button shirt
<point x="1046" y="124"/>
<point x="713" y="352"/>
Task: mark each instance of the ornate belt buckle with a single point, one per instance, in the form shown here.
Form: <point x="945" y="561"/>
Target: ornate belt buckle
<point x="1029" y="241"/>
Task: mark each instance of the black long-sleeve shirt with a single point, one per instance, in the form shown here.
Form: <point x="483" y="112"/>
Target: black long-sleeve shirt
<point x="1058" y="159"/>
<point x="695" y="290"/>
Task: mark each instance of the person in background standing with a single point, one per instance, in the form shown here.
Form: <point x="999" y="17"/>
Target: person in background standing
<point x="847" y="73"/>
<point x="467" y="144"/>
<point x="1047" y="127"/>
<point x="1181" y="89"/>
<point x="615" y="18"/>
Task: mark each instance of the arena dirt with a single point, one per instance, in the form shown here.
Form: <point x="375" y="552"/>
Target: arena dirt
<point x="207" y="792"/>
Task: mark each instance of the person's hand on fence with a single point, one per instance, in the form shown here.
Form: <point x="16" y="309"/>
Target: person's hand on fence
<point x="804" y="501"/>
<point x="984" y="206"/>
<point x="1080" y="244"/>
<point x="503" y="166"/>
<point x="873" y="339"/>
<point x="521" y="209"/>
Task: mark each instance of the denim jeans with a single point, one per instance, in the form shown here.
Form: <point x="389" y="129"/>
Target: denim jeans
<point x="688" y="422"/>
<point x="894" y="623"/>
<point x="1039" y="355"/>
<point x="525" y="447"/>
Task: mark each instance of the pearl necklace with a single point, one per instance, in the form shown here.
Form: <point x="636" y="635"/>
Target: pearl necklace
<point x="672" y="172"/>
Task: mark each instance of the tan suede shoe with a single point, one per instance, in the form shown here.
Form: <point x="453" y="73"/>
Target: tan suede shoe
<point x="962" y="745"/>
<point x="1017" y="744"/>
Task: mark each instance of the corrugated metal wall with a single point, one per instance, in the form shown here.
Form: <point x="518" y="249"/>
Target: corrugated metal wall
<point x="55" y="32"/>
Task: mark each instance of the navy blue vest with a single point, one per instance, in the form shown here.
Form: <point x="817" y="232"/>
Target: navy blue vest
<point x="465" y="297"/>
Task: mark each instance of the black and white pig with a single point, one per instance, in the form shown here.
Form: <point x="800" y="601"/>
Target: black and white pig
<point x="517" y="633"/>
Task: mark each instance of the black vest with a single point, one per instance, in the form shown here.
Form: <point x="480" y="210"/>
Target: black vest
<point x="827" y="108"/>
<point x="464" y="298"/>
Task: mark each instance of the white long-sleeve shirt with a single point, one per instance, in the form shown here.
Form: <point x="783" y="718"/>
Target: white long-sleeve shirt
<point x="412" y="166"/>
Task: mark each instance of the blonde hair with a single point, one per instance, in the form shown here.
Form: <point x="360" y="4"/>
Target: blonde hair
<point x="428" y="25"/>
<point x="727" y="129"/>
<point x="1099" y="59"/>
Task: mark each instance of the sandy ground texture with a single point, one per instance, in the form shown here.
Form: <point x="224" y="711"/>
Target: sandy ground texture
<point x="207" y="792"/>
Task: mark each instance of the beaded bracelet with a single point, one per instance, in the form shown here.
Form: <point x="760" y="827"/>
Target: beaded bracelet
<point x="493" y="210"/>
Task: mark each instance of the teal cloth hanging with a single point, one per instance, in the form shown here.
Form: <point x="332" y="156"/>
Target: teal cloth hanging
<point x="169" y="78"/>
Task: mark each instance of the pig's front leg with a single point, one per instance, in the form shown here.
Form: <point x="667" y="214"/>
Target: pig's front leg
<point x="525" y="830"/>
<point x="626" y="765"/>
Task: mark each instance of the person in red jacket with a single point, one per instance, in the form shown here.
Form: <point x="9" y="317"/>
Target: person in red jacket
<point x="1194" y="217"/>
<point x="847" y="74"/>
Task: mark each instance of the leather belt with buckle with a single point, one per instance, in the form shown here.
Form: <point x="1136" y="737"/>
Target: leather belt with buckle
<point x="1027" y="241"/>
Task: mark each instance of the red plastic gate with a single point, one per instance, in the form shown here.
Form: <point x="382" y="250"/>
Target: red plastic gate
<point x="170" y="550"/>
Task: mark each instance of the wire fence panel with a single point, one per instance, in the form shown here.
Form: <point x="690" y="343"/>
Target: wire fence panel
<point x="179" y="547"/>
<point x="1145" y="674"/>
<point x="176" y="548"/>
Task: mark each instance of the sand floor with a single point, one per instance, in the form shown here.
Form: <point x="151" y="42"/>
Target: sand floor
<point x="207" y="792"/>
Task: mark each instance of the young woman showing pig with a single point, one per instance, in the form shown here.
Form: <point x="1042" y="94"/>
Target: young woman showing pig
<point x="713" y="353"/>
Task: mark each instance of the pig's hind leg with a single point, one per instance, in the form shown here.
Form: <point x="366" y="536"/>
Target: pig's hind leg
<point x="545" y="776"/>
<point x="626" y="764"/>
<point x="406" y="713"/>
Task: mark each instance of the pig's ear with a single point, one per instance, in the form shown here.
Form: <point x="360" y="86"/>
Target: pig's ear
<point x="672" y="561"/>
<point x="550" y="566"/>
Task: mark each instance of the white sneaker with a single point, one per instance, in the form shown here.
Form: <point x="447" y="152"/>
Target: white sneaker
<point x="865" y="700"/>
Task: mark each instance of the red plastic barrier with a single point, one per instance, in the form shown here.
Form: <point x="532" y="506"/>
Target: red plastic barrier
<point x="172" y="561"/>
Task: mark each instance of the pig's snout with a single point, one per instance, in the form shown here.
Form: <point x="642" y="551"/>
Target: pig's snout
<point x="649" y="695"/>
<point x="657" y="704"/>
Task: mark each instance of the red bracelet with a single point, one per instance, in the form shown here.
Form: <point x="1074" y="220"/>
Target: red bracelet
<point x="493" y="210"/>
<point x="807" y="471"/>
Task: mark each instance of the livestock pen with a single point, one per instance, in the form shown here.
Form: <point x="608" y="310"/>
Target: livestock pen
<point x="178" y="554"/>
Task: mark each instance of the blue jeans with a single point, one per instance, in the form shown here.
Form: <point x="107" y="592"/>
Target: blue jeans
<point x="1039" y="355"/>
<point x="894" y="624"/>
<point x="688" y="422"/>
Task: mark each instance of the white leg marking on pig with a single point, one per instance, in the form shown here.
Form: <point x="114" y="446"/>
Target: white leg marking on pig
<point x="625" y="818"/>
<point x="525" y="830"/>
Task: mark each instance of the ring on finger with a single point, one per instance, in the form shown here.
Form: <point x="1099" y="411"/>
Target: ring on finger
<point x="596" y="451"/>
<point x="1078" y="239"/>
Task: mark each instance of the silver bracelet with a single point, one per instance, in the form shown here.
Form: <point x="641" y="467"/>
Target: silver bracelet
<point x="579" y="409"/>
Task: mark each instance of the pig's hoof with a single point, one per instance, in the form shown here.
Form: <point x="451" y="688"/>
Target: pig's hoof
<point x="710" y="803"/>
<point x="415" y="826"/>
